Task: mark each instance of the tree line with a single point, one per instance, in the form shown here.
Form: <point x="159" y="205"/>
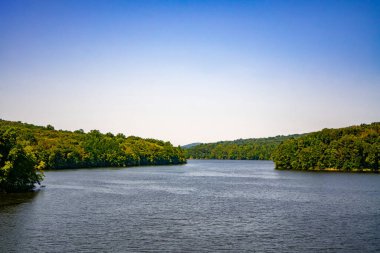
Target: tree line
<point x="355" y="148"/>
<point x="242" y="149"/>
<point x="29" y="148"/>
<point x="26" y="149"/>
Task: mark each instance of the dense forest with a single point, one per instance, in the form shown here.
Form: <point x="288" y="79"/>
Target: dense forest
<point x="355" y="148"/>
<point x="25" y="149"/>
<point x="242" y="149"/>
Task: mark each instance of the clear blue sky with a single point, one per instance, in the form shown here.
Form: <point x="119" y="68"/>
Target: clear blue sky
<point x="189" y="71"/>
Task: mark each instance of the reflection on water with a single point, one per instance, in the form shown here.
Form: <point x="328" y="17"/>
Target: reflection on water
<point x="14" y="199"/>
<point x="200" y="207"/>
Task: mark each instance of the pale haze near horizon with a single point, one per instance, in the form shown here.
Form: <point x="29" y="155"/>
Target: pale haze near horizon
<point x="190" y="71"/>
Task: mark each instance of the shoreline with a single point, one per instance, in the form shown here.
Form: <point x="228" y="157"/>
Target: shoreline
<point x="364" y="171"/>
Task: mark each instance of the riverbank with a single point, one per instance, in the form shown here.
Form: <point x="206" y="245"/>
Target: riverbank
<point x="334" y="170"/>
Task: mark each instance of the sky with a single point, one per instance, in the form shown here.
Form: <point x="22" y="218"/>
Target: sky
<point x="190" y="71"/>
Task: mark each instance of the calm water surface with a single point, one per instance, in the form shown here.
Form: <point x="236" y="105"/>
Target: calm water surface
<point x="202" y="206"/>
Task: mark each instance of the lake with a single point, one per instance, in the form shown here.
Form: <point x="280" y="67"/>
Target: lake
<point x="203" y="206"/>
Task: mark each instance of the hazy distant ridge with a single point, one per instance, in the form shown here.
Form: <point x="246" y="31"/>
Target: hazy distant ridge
<point x="187" y="146"/>
<point x="241" y="149"/>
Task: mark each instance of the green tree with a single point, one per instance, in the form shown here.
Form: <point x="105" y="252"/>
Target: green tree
<point x="19" y="170"/>
<point x="355" y="148"/>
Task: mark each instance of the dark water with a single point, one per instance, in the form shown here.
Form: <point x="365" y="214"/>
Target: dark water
<point x="202" y="206"/>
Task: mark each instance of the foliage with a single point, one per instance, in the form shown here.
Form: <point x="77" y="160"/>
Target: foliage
<point x="355" y="148"/>
<point x="19" y="170"/>
<point x="25" y="148"/>
<point x="242" y="149"/>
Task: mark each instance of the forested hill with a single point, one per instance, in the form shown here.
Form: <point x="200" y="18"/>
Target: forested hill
<point x="242" y="149"/>
<point x="65" y="149"/>
<point x="355" y="148"/>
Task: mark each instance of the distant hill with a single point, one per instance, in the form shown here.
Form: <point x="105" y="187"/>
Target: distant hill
<point x="241" y="149"/>
<point x="354" y="148"/>
<point x="187" y="146"/>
